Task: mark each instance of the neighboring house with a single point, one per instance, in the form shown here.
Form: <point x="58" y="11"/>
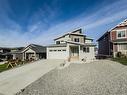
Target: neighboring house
<point x="116" y="40"/>
<point x="4" y="50"/>
<point x="34" y="52"/>
<point x="14" y="53"/>
<point x="8" y="53"/>
<point x="72" y="46"/>
<point x="31" y="51"/>
<point x="105" y="46"/>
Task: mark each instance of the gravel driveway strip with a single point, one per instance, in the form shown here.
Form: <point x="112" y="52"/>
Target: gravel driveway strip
<point x="102" y="77"/>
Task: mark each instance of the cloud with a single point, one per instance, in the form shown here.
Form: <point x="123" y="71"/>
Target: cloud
<point x="43" y="31"/>
<point x="87" y="23"/>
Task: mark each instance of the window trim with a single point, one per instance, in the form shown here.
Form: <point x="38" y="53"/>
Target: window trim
<point x="76" y="40"/>
<point x="121" y="31"/>
<point x="57" y="42"/>
<point x="87" y="49"/>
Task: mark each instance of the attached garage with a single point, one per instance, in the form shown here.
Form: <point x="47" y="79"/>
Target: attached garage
<point x="57" y="52"/>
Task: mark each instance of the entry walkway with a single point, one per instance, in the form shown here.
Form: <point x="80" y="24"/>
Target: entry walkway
<point x="12" y="81"/>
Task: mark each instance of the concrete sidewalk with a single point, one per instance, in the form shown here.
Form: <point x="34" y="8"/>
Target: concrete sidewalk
<point x="12" y="81"/>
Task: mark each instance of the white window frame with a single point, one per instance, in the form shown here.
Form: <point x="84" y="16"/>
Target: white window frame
<point x="121" y="31"/>
<point x="86" y="49"/>
<point x="76" y="40"/>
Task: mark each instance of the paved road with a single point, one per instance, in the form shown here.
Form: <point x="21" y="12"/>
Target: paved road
<point x="14" y="80"/>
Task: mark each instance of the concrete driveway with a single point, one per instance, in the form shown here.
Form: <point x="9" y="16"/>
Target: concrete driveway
<point x="12" y="81"/>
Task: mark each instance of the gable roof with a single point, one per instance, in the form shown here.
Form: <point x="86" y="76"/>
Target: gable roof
<point x="36" y="48"/>
<point x="72" y="33"/>
<point x="78" y="30"/>
<point x="121" y="24"/>
<point x="12" y="48"/>
<point x="106" y="33"/>
<point x="88" y="38"/>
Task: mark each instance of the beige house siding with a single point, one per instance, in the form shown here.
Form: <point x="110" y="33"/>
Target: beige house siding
<point x="18" y="56"/>
<point x="87" y="56"/>
<point x="71" y="38"/>
<point x="81" y="38"/>
<point x="63" y="39"/>
<point x="88" y="41"/>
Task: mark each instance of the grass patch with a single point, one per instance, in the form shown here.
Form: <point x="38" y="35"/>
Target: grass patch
<point x="120" y="60"/>
<point x="3" y="67"/>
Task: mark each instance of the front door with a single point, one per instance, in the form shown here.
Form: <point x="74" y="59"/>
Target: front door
<point x="74" y="53"/>
<point x="30" y="56"/>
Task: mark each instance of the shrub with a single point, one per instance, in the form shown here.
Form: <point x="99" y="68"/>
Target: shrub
<point x="118" y="54"/>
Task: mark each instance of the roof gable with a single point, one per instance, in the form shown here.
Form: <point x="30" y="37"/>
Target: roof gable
<point x="78" y="31"/>
<point x="36" y="48"/>
<point x="122" y="24"/>
<point x="75" y="32"/>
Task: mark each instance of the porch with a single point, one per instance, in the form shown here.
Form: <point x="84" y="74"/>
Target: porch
<point x="34" y="56"/>
<point x="120" y="47"/>
<point x="74" y="52"/>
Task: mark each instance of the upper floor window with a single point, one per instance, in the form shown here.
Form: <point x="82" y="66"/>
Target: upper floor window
<point x="57" y="42"/>
<point x="76" y="39"/>
<point x="121" y="34"/>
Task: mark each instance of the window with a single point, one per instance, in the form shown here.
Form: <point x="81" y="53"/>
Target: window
<point x="59" y="50"/>
<point x="86" y="49"/>
<point x="122" y="47"/>
<point x="63" y="50"/>
<point x="121" y="34"/>
<point x="57" y="42"/>
<point x="76" y="39"/>
<point x="50" y="50"/>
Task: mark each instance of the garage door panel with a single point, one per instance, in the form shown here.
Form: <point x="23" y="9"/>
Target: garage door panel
<point x="57" y="55"/>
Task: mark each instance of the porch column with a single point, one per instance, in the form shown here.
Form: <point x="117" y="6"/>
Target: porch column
<point x="115" y="49"/>
<point x="35" y="55"/>
<point x="14" y="56"/>
<point x="68" y="52"/>
<point x="79" y="53"/>
<point x="24" y="55"/>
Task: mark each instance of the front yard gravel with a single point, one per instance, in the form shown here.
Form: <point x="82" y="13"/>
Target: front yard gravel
<point x="102" y="77"/>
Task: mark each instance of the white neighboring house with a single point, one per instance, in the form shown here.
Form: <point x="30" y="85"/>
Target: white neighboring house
<point x="34" y="52"/>
<point x="30" y="52"/>
<point x="72" y="46"/>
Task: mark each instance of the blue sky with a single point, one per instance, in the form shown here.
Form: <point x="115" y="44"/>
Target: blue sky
<point x="39" y="21"/>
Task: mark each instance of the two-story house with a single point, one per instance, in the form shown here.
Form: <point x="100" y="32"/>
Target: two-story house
<point x="73" y="46"/>
<point x="114" y="41"/>
<point x="118" y="37"/>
